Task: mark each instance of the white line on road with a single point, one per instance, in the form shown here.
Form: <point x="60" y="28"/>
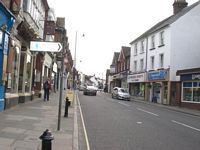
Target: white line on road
<point x="124" y="104"/>
<point x="147" y="112"/>
<point x="84" y="128"/>
<point x="185" y="125"/>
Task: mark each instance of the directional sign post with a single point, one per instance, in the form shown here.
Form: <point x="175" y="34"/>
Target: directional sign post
<point x="45" y="46"/>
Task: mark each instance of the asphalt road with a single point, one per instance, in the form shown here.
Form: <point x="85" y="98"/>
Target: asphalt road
<point x="120" y="125"/>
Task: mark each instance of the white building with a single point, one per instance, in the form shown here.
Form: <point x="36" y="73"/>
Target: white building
<point x="171" y="45"/>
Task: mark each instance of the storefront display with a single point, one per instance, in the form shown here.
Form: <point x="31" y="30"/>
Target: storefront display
<point x="136" y="84"/>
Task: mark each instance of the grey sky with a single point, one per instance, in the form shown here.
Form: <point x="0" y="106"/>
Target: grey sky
<point x="107" y="25"/>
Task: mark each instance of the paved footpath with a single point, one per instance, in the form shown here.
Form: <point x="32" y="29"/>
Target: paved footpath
<point x="21" y="126"/>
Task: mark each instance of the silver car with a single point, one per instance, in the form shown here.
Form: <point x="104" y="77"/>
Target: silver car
<point x="120" y="93"/>
<point x="90" y="90"/>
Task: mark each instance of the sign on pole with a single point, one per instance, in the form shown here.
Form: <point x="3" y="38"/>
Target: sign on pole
<point x="45" y="46"/>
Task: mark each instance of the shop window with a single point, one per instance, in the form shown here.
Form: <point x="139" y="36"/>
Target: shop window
<point x="196" y="94"/>
<point x="13" y="77"/>
<point x="28" y="74"/>
<point x="165" y="90"/>
<point x="187" y="94"/>
<point x="196" y="91"/>
<point x="20" y="85"/>
<point x="191" y="91"/>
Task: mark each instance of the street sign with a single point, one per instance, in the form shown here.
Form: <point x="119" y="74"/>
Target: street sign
<point x="45" y="46"/>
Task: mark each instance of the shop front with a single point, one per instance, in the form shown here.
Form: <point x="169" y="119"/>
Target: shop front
<point x="190" y="90"/>
<point x="158" y="86"/>
<point x="137" y="85"/>
<point x="6" y="23"/>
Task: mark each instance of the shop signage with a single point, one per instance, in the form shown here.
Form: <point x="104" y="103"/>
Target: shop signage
<point x="196" y="77"/>
<point x="1" y="98"/>
<point x="135" y="78"/>
<point x="45" y="46"/>
<point x="1" y="37"/>
<point x="6" y="39"/>
<point x="157" y="75"/>
<point x="189" y="77"/>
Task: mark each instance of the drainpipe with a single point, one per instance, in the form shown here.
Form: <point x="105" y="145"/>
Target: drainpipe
<point x="146" y="87"/>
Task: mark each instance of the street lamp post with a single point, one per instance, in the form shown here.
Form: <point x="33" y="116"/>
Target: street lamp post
<point x="61" y="77"/>
<point x="74" y="61"/>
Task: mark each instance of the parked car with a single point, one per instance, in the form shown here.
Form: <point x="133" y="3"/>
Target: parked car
<point x="120" y="93"/>
<point x="90" y="90"/>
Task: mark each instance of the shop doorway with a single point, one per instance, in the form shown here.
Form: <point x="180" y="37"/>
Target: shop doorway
<point x="156" y="92"/>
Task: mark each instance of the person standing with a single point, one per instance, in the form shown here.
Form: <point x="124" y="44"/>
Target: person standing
<point x="46" y="87"/>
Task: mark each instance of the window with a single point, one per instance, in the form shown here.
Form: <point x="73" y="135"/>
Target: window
<point x="191" y="91"/>
<point x="162" y="38"/>
<point x="153" y="42"/>
<point x="161" y="60"/>
<point x="141" y="64"/>
<point x="152" y="62"/>
<point x="135" y="49"/>
<point x="135" y="66"/>
<point x="142" y="46"/>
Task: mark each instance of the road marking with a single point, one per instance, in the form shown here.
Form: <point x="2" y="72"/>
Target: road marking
<point x="147" y="112"/>
<point x="139" y="122"/>
<point x="185" y="125"/>
<point x="84" y="128"/>
<point x="124" y="104"/>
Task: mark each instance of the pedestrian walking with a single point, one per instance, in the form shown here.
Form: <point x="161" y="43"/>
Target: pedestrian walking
<point x="46" y="87"/>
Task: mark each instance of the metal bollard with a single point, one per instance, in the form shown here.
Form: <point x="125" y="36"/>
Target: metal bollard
<point x="66" y="107"/>
<point x="46" y="138"/>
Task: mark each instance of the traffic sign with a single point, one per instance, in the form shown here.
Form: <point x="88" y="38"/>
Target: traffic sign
<point x="45" y="46"/>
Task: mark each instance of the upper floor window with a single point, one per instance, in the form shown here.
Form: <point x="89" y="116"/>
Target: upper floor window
<point x="141" y="64"/>
<point x="135" y="66"/>
<point x="152" y="41"/>
<point x="161" y="60"/>
<point x="162" y="38"/>
<point x="135" y="49"/>
<point x="127" y="63"/>
<point x="142" y="46"/>
<point x="152" y="62"/>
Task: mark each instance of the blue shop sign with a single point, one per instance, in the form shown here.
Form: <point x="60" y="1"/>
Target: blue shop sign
<point x="189" y="77"/>
<point x="1" y="98"/>
<point x="157" y="75"/>
<point x="7" y="19"/>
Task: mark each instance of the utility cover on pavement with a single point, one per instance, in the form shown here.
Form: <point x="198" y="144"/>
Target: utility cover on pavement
<point x="45" y="46"/>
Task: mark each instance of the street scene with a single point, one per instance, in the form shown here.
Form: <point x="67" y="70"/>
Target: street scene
<point x="103" y="75"/>
<point x="114" y="124"/>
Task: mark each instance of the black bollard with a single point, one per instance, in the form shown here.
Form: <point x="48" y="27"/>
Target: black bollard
<point x="67" y="103"/>
<point x="66" y="107"/>
<point x="46" y="138"/>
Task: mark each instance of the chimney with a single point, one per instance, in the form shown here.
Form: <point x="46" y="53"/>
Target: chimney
<point x="179" y="5"/>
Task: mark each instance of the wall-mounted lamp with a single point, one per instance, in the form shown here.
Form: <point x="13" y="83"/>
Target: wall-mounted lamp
<point x="4" y="27"/>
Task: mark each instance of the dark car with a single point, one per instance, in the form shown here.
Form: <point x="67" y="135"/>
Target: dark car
<point x="90" y="90"/>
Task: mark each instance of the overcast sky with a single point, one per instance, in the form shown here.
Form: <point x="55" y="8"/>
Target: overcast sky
<point x="107" y="25"/>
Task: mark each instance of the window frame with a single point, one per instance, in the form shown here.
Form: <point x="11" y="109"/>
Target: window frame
<point x="161" y="60"/>
<point x="152" y="59"/>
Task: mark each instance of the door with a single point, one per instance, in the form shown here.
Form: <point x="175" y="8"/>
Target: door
<point x="157" y="92"/>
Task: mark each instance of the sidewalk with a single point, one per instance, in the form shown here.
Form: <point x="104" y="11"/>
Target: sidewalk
<point x="21" y="126"/>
